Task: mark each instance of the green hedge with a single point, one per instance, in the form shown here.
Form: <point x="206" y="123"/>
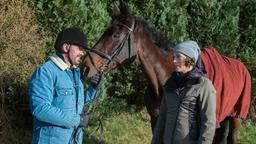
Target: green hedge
<point x="54" y="15"/>
<point x="21" y="51"/>
<point x="215" y="23"/>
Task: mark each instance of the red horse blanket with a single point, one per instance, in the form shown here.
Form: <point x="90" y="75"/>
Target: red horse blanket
<point x="232" y="82"/>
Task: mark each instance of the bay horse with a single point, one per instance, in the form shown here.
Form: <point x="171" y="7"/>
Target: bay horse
<point x="129" y="38"/>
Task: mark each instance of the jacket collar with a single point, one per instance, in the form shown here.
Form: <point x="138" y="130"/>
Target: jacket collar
<point x="59" y="62"/>
<point x="187" y="80"/>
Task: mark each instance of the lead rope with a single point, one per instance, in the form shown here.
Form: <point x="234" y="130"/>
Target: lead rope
<point x="75" y="133"/>
<point x="89" y="112"/>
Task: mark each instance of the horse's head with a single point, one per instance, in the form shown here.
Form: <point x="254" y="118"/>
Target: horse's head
<point x="115" y="45"/>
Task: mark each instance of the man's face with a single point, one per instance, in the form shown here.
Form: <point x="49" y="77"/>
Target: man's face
<point x="75" y="53"/>
<point x="179" y="63"/>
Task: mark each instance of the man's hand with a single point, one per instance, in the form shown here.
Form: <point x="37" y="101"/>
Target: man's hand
<point x="95" y="80"/>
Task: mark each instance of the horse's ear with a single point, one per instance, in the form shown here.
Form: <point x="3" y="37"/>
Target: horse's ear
<point x="115" y="10"/>
<point x="124" y="9"/>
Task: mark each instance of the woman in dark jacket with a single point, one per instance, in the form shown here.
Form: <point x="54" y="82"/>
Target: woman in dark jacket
<point x="188" y="107"/>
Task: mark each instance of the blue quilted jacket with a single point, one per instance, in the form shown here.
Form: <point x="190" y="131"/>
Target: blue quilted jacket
<point x="57" y="97"/>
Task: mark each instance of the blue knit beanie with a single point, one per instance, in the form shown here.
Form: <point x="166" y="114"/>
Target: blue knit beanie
<point x="189" y="48"/>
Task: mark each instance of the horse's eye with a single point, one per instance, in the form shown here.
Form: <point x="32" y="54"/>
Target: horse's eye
<point x="115" y="37"/>
<point x="120" y="27"/>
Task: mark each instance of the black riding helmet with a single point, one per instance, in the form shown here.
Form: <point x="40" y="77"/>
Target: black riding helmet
<point x="73" y="35"/>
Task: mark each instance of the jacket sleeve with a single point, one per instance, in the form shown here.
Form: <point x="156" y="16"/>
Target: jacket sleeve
<point x="207" y="108"/>
<point x="90" y="94"/>
<point x="159" y="128"/>
<point x="41" y="91"/>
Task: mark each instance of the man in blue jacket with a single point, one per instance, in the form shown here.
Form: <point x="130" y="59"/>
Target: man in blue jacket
<point x="57" y="95"/>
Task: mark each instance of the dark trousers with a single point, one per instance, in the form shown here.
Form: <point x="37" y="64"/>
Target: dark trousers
<point x="227" y="133"/>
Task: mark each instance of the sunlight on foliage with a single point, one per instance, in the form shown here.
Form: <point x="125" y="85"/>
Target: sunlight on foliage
<point x="21" y="50"/>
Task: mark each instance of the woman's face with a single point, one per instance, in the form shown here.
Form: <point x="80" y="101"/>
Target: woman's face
<point x="179" y="63"/>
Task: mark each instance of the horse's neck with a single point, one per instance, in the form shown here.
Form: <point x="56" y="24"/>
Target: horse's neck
<point x="157" y="64"/>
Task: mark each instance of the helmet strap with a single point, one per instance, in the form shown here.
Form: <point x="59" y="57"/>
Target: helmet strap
<point x="64" y="55"/>
<point x="69" y="59"/>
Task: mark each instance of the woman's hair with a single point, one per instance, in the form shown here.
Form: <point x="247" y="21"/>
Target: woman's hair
<point x="190" y="61"/>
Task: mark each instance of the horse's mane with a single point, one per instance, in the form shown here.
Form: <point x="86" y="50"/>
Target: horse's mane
<point x="158" y="38"/>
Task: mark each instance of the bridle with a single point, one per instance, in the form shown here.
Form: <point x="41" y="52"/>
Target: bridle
<point x="126" y="40"/>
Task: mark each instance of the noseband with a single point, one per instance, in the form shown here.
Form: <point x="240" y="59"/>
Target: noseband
<point x="110" y="58"/>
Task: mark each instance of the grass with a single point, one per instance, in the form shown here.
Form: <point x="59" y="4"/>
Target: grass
<point x="124" y="128"/>
<point x="129" y="127"/>
<point x="122" y="124"/>
<point x="247" y="134"/>
<point x="133" y="127"/>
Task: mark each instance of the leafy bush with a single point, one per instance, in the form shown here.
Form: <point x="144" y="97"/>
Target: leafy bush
<point x="247" y="51"/>
<point x="215" y="23"/>
<point x="168" y="17"/>
<point x="127" y="82"/>
<point x="21" y="50"/>
<point x="54" y="15"/>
